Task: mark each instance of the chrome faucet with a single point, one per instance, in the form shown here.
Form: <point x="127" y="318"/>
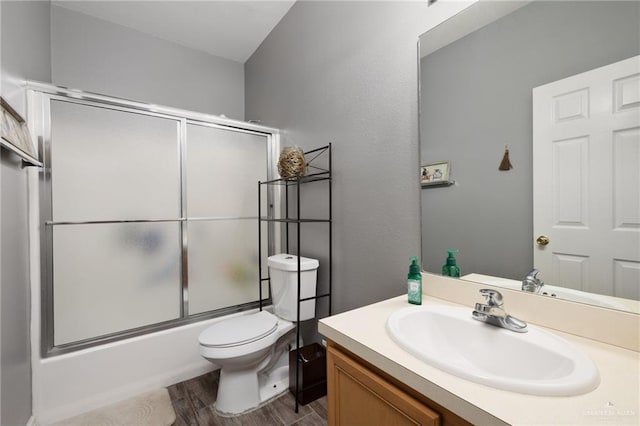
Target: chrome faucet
<point x="531" y="282"/>
<point x="493" y="313"/>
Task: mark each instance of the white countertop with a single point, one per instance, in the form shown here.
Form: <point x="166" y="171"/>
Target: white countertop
<point x="616" y="401"/>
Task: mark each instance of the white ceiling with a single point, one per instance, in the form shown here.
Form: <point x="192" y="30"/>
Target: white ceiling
<point x="230" y="29"/>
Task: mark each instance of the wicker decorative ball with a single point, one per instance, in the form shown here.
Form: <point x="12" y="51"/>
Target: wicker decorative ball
<point x="292" y="163"/>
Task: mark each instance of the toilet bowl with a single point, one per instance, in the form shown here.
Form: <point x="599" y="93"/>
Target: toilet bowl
<point x="252" y="350"/>
<point x="243" y="348"/>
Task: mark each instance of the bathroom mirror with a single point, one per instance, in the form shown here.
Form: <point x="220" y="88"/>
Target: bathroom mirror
<point x="477" y="74"/>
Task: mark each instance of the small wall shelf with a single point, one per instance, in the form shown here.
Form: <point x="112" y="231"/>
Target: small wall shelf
<point x="16" y="137"/>
<point x="438" y="184"/>
<point x="27" y="160"/>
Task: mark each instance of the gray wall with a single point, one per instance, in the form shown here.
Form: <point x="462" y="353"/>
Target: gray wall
<point x="25" y="55"/>
<point x="346" y="73"/>
<point x="477" y="99"/>
<point x="97" y="56"/>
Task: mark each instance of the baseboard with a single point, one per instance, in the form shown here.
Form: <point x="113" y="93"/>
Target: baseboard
<point x="32" y="422"/>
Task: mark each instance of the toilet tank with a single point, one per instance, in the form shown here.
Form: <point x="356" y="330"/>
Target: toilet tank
<point x="283" y="272"/>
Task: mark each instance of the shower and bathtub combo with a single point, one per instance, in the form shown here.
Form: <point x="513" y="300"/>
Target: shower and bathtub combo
<point x="148" y="189"/>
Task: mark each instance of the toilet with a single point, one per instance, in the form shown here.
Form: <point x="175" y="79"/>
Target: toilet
<point x="252" y="350"/>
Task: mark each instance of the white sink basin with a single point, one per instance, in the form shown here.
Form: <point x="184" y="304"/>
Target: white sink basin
<point x="536" y="362"/>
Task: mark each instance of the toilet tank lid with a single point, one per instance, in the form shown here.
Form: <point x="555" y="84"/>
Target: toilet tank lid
<point x="239" y="330"/>
<point x="289" y="262"/>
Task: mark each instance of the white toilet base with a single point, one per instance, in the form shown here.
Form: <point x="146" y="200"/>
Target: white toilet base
<point x="274" y="383"/>
<point x="238" y="392"/>
<point x="243" y="388"/>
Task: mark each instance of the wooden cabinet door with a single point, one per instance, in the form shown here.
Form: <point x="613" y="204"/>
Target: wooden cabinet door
<point x="358" y="396"/>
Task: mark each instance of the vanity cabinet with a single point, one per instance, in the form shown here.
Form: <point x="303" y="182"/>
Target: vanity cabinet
<point x="361" y="394"/>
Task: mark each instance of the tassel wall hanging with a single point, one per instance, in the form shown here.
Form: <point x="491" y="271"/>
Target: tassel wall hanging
<point x="505" y="164"/>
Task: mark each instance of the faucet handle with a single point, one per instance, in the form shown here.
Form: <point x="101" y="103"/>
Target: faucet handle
<point x="531" y="282"/>
<point x="494" y="298"/>
<point x="533" y="274"/>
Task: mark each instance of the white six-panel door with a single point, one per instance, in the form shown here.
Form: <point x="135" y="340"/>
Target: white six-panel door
<point x="586" y="162"/>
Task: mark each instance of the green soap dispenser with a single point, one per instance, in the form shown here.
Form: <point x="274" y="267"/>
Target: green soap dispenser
<point x="450" y="268"/>
<point x="414" y="282"/>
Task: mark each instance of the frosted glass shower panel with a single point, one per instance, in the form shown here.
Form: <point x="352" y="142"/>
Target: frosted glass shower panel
<point x="223" y="169"/>
<point x="223" y="264"/>
<point x="114" y="277"/>
<point x="113" y="165"/>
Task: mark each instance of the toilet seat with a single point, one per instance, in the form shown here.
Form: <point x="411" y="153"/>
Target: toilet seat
<point x="239" y="330"/>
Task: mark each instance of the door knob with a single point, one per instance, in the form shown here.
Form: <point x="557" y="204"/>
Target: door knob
<point x="542" y="240"/>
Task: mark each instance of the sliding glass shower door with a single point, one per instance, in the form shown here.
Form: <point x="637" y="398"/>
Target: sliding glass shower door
<point x="221" y="224"/>
<point x="115" y="192"/>
<point x="149" y="219"/>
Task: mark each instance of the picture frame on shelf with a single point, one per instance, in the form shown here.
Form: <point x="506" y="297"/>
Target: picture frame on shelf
<point x="435" y="174"/>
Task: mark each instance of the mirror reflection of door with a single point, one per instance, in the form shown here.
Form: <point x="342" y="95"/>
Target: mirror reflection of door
<point x="586" y="154"/>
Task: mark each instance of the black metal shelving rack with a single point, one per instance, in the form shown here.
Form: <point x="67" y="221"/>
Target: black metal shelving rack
<point x="317" y="174"/>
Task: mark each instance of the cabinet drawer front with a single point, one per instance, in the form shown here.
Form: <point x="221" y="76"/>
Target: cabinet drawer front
<point x="358" y="396"/>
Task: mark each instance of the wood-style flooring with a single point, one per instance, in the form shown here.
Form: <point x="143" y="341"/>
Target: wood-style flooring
<point x="193" y="403"/>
